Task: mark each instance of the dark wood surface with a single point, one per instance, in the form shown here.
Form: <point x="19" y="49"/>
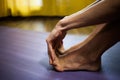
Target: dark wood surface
<point x="39" y="24"/>
<point x="23" y="56"/>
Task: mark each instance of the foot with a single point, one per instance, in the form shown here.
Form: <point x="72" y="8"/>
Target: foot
<point x="87" y="55"/>
<point x="77" y="58"/>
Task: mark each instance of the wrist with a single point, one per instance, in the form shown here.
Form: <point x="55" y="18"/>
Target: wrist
<point x="71" y="22"/>
<point x="61" y="25"/>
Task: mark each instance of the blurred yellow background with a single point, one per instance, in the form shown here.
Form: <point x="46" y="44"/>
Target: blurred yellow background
<point x="41" y="7"/>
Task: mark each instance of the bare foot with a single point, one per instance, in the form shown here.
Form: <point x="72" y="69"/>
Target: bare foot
<point x="77" y="59"/>
<point x="87" y="55"/>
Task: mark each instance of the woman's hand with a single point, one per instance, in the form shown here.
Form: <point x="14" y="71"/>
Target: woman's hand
<point x="55" y="41"/>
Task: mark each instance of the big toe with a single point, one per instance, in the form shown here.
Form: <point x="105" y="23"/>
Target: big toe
<point x="57" y="66"/>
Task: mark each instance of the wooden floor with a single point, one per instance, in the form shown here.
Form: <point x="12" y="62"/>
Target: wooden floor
<point x="39" y="24"/>
<point x="23" y="56"/>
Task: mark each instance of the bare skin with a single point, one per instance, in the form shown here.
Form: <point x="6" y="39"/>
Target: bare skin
<point x="85" y="55"/>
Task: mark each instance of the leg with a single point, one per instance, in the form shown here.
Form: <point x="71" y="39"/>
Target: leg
<point x="87" y="55"/>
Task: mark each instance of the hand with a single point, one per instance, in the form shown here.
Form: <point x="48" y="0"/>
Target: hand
<point x="55" y="41"/>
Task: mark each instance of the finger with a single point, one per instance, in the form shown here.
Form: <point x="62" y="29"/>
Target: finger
<point x="51" y="52"/>
<point x="60" y="49"/>
<point x="60" y="43"/>
<point x="50" y="60"/>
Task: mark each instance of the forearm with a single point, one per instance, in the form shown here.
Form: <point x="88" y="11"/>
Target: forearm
<point x="100" y="12"/>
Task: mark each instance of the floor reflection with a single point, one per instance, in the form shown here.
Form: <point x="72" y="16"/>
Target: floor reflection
<point x="40" y="24"/>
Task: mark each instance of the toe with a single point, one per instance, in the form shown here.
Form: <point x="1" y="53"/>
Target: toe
<point x="57" y="65"/>
<point x="58" y="68"/>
